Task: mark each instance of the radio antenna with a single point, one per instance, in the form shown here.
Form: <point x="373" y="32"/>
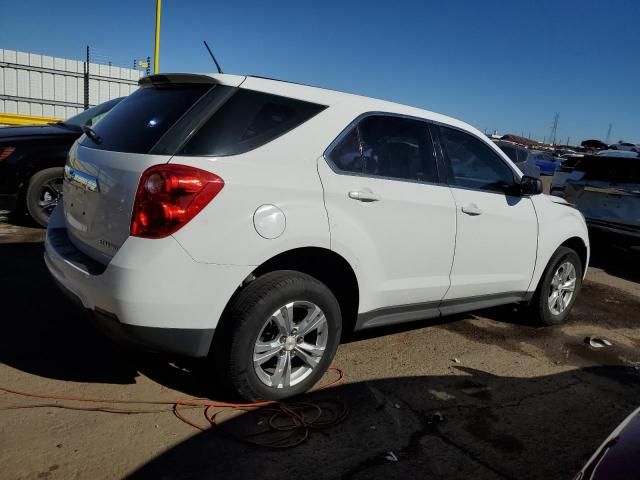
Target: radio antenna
<point x="212" y="57"/>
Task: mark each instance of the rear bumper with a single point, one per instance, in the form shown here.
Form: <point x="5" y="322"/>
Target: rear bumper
<point x="152" y="293"/>
<point x="182" y="341"/>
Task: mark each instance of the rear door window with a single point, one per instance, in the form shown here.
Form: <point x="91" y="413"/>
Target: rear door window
<point x="346" y="156"/>
<point x="397" y="147"/>
<point x="138" y="122"/>
<point x="248" y="120"/>
<point x="388" y="146"/>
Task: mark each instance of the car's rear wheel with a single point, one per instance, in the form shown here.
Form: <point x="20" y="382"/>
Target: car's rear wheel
<point x="558" y="288"/>
<point x="43" y="194"/>
<point x="278" y="336"/>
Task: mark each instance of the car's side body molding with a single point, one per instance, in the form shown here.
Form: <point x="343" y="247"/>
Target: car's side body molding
<point x="423" y="311"/>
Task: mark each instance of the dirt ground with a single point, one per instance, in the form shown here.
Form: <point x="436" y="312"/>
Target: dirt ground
<point x="478" y="396"/>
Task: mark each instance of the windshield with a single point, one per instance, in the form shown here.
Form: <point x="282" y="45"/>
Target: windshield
<point x="93" y="115"/>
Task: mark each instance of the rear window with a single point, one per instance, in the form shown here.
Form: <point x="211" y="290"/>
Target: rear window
<point x="138" y="122"/>
<point x="248" y="120"/>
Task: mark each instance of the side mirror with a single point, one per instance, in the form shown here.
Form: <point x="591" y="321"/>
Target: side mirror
<point x="530" y="185"/>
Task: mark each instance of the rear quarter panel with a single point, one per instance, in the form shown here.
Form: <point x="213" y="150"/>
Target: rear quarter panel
<point x="282" y="173"/>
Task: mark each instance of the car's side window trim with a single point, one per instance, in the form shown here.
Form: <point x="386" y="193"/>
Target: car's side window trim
<point x="449" y="169"/>
<point x="440" y="180"/>
<point x="444" y="166"/>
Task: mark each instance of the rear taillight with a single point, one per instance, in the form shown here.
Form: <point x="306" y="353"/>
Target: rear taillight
<point x="169" y="196"/>
<point x="5" y="152"/>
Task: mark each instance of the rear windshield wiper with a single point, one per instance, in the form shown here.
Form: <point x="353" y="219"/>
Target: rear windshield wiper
<point x="91" y="133"/>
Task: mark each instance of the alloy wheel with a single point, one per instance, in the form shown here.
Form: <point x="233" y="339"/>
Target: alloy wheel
<point x="291" y="344"/>
<point x="49" y="195"/>
<point x="563" y="286"/>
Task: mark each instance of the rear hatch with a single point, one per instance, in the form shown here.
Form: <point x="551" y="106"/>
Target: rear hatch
<point x="608" y="189"/>
<point x="104" y="166"/>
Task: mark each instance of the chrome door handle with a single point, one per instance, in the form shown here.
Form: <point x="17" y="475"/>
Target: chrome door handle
<point x="363" y="196"/>
<point x="472" y="209"/>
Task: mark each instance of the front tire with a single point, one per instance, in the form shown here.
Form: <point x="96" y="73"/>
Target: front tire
<point x="558" y="288"/>
<point x="43" y="194"/>
<point x="278" y="336"/>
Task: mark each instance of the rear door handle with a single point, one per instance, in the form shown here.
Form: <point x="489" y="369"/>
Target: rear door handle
<point x="363" y="196"/>
<point x="472" y="209"/>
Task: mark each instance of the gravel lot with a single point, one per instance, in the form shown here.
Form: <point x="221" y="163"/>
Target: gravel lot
<point x="473" y="396"/>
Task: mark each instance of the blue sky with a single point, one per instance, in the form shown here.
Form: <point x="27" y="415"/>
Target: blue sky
<point x="506" y="65"/>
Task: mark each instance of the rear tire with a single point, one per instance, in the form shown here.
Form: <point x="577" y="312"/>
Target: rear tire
<point x="554" y="298"/>
<point x="43" y="194"/>
<point x="278" y="336"/>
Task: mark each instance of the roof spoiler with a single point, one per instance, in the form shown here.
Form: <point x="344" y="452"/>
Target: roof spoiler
<point x="164" y="79"/>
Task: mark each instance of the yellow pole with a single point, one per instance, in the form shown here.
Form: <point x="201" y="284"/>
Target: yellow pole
<point x="156" y="52"/>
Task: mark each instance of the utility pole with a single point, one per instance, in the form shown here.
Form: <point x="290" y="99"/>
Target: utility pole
<point x="86" y="81"/>
<point x="156" y="52"/>
<point x="554" y="129"/>
<point x="568" y="140"/>
<point x="608" y="137"/>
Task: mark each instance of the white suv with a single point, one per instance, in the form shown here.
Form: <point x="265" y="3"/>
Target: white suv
<point x="254" y="221"/>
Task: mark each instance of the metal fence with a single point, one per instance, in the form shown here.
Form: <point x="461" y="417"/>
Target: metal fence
<point x="41" y="87"/>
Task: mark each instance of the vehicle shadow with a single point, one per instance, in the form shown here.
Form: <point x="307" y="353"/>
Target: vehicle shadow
<point x="45" y="334"/>
<point x="469" y="424"/>
<point x="615" y="257"/>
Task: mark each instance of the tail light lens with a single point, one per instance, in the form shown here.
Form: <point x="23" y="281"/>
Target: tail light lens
<point x="5" y="152"/>
<point x="169" y="196"/>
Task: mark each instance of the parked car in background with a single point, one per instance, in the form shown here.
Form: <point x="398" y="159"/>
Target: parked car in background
<point x="606" y="188"/>
<point x="32" y="162"/>
<point x="253" y="221"/>
<point x="617" y="153"/>
<point x="618" y="458"/>
<point x="564" y="152"/>
<point x="545" y="161"/>
<point x="630" y="147"/>
<point x="520" y="156"/>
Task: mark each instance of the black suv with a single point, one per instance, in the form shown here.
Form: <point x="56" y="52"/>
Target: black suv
<point x="32" y="162"/>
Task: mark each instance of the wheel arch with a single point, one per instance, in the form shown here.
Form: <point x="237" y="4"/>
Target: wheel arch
<point x="33" y="165"/>
<point x="578" y="245"/>
<point x="323" y="264"/>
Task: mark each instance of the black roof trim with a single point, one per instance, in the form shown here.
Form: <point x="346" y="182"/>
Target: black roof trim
<point x="175" y="79"/>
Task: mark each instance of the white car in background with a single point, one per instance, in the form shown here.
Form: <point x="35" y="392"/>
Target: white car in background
<point x="254" y="221"/>
<point x="625" y="146"/>
<point x="605" y="187"/>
